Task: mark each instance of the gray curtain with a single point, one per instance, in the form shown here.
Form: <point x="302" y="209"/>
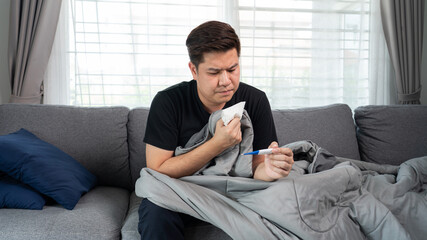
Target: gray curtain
<point x="31" y="33"/>
<point x="403" y="28"/>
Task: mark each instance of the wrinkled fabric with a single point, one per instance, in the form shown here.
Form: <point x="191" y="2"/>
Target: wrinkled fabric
<point x="324" y="197"/>
<point x="222" y="165"/>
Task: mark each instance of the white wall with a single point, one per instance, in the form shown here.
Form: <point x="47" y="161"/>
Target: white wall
<point x="4" y="66"/>
<point x="4" y="72"/>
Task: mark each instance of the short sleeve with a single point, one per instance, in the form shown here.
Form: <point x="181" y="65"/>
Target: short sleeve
<point x="162" y="130"/>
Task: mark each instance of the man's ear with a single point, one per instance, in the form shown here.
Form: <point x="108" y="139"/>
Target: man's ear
<point x="193" y="70"/>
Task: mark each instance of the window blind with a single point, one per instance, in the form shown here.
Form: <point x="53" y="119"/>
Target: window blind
<point x="301" y="53"/>
<point x="306" y="53"/>
<point x="126" y="51"/>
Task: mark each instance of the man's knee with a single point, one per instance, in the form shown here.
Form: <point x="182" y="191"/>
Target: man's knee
<point x="157" y="221"/>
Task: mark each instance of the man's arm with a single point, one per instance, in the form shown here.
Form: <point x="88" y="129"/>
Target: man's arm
<point x="186" y="164"/>
<point x="273" y="166"/>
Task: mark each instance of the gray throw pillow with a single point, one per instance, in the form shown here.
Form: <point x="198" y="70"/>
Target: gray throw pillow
<point x="391" y="134"/>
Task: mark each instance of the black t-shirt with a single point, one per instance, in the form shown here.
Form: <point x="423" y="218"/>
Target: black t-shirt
<point x="177" y="113"/>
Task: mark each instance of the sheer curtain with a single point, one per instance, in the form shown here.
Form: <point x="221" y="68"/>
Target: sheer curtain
<point x="123" y="52"/>
<point x="301" y="53"/>
<point x="382" y="84"/>
<point x="311" y="53"/>
<point x="56" y="81"/>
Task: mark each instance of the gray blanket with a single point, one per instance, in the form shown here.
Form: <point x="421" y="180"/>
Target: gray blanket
<point x="324" y="197"/>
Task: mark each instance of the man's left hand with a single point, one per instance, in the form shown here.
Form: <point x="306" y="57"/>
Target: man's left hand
<point x="279" y="163"/>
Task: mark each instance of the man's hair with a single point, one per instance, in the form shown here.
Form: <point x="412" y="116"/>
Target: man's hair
<point x="212" y="36"/>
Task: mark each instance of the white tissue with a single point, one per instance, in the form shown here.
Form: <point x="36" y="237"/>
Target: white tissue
<point x="231" y="112"/>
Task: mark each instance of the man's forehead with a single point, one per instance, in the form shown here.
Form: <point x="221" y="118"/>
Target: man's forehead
<point x="220" y="60"/>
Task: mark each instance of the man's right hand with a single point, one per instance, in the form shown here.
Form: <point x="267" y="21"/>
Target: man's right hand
<point x="227" y="136"/>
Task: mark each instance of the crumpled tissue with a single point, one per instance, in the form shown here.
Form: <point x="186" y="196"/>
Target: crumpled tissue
<point x="231" y="112"/>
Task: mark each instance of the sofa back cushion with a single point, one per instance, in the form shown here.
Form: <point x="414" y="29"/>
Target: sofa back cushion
<point x="331" y="127"/>
<point x="96" y="137"/>
<point x="136" y="132"/>
<point x="391" y="134"/>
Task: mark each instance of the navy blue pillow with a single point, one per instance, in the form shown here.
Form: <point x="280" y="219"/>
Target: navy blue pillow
<point x="44" y="167"/>
<point x="14" y="194"/>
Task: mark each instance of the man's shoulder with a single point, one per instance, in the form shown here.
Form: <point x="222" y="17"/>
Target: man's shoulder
<point x="246" y="90"/>
<point x="250" y="87"/>
<point x="179" y="87"/>
<point x="175" y="95"/>
<point x="177" y="92"/>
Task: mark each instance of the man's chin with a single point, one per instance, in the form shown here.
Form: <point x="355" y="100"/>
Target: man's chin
<point x="225" y="99"/>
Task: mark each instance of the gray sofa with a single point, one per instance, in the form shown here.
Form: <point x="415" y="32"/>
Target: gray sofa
<point x="108" y="142"/>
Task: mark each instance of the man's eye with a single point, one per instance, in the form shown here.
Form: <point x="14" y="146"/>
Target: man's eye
<point x="231" y="70"/>
<point x="212" y="73"/>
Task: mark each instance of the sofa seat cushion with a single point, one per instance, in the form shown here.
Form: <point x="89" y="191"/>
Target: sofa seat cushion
<point x="98" y="215"/>
<point x="391" y="134"/>
<point x="201" y="230"/>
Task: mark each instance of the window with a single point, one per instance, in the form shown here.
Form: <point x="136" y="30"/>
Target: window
<point x="306" y="53"/>
<point x="301" y="53"/>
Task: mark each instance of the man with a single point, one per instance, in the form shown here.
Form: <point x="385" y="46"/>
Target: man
<point x="182" y="110"/>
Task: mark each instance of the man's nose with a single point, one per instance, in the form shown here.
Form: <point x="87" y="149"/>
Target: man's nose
<point x="224" y="79"/>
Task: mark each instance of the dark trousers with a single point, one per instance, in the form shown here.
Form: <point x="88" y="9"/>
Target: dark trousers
<point x="157" y="223"/>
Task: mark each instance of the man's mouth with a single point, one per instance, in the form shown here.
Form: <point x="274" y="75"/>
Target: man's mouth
<point x="226" y="92"/>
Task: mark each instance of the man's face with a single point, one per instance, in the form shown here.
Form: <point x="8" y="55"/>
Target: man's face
<point x="217" y="78"/>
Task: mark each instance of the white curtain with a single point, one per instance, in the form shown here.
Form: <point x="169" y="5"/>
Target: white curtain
<point x="301" y="53"/>
<point x="230" y="14"/>
<point x="311" y="53"/>
<point x="382" y="84"/>
<point x="56" y="81"/>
